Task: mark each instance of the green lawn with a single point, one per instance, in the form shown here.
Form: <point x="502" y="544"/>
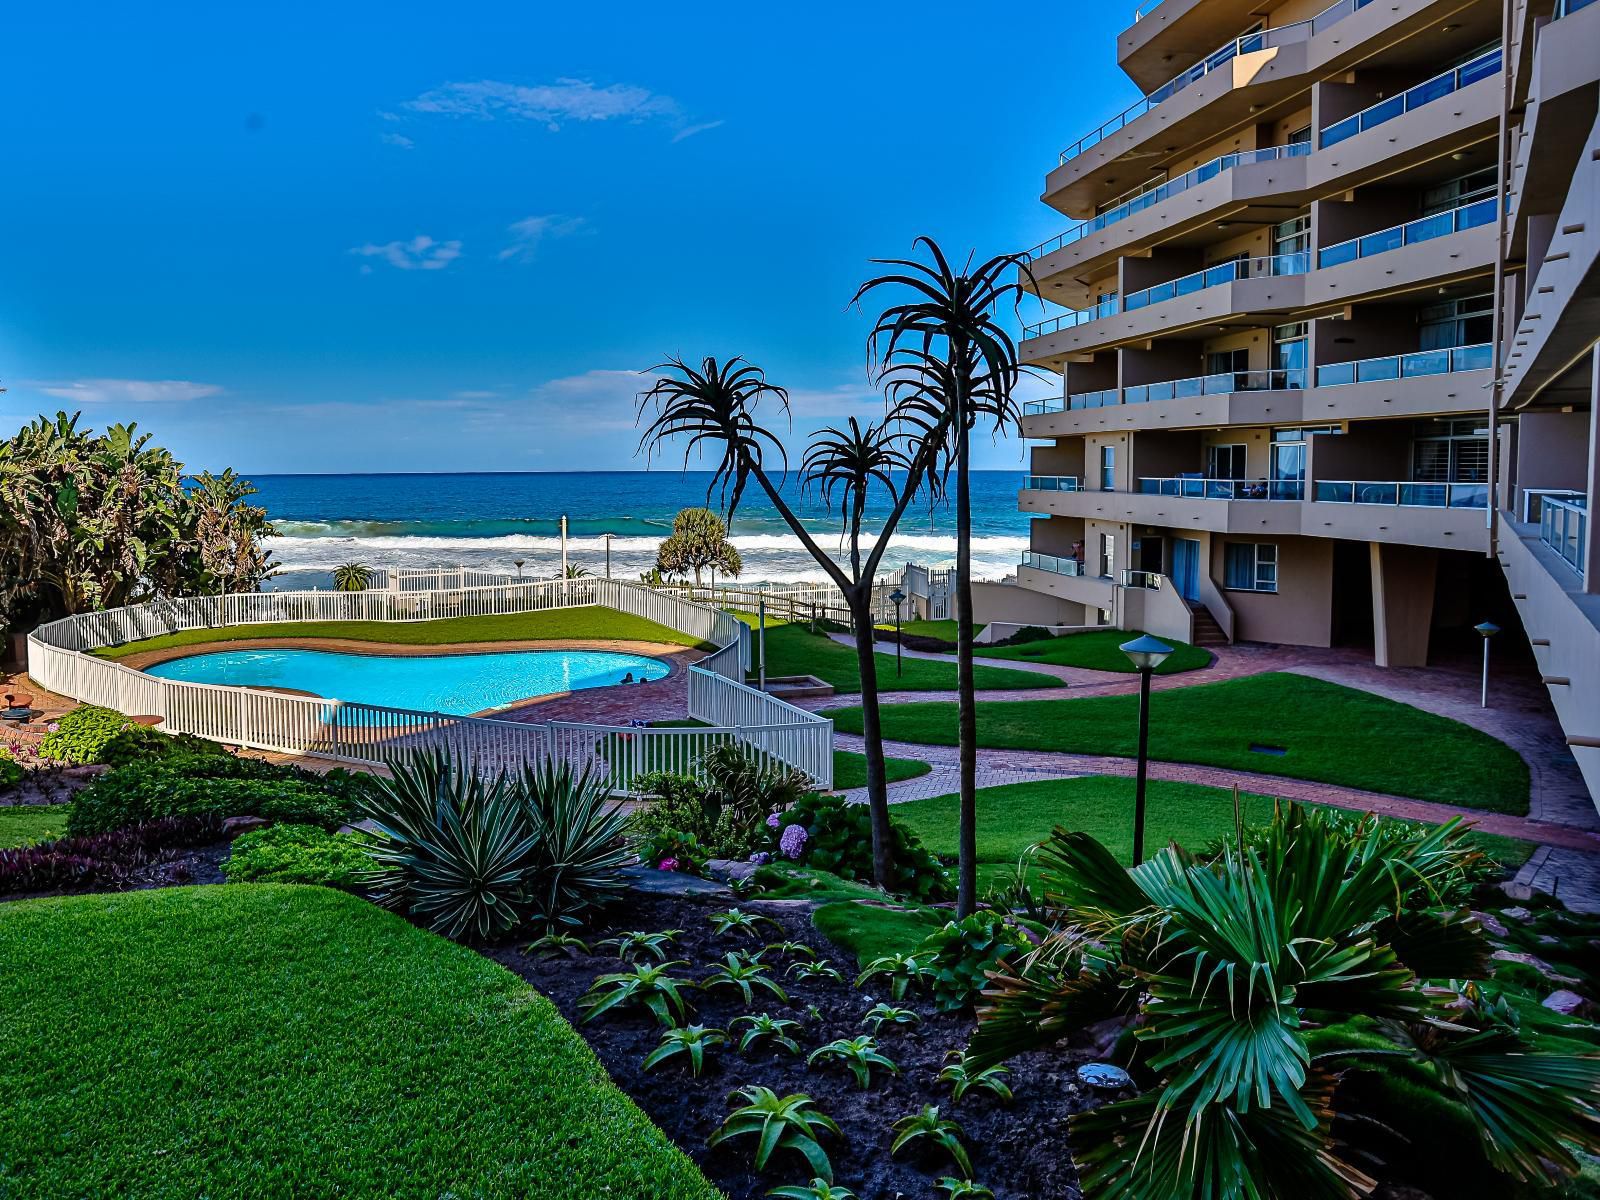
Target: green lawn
<point x="944" y="631"/>
<point x="1327" y="733"/>
<point x="273" y="1041"/>
<point x="871" y="930"/>
<point x="1099" y="650"/>
<point x="795" y="650"/>
<point x="850" y="769"/>
<point x="587" y="622"/>
<point x="24" y="824"/>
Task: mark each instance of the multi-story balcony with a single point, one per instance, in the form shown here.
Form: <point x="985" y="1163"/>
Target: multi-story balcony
<point x="1406" y="366"/>
<point x="1425" y="229"/>
<point x="1564" y="527"/>
<point x="1066" y="577"/>
<point x="1403" y="494"/>
<point x="1444" y="84"/>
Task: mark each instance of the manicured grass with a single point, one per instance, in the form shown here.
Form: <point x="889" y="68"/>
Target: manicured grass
<point x="870" y="931"/>
<point x="1098" y="650"/>
<point x="795" y="650"/>
<point x="944" y="631"/>
<point x="25" y="824"/>
<point x="273" y="1041"/>
<point x="1327" y="732"/>
<point x="587" y="622"/>
<point x="850" y="769"/>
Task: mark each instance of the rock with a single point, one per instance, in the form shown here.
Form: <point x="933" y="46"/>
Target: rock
<point x="730" y="868"/>
<point x="1491" y="925"/>
<point x="1105" y="1077"/>
<point x="1516" y="914"/>
<point x="234" y="826"/>
<point x="1568" y="1004"/>
<point x="1518" y="956"/>
<point x="671" y="883"/>
<point x="367" y="826"/>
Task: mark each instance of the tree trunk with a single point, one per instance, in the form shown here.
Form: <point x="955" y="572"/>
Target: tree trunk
<point x="872" y="734"/>
<point x="966" y="691"/>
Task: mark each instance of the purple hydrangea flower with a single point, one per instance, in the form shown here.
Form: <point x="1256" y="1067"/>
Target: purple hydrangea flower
<point x="773" y="821"/>
<point x="793" y="841"/>
<point x="668" y="864"/>
<point x="761" y="858"/>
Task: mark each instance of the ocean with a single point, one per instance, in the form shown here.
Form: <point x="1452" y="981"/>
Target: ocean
<point x="488" y="521"/>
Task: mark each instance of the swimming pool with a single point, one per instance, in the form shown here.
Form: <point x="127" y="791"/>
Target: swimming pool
<point x="458" y="684"/>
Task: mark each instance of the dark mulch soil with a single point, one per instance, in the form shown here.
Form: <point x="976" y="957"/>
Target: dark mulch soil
<point x="1020" y="1152"/>
<point x="168" y="868"/>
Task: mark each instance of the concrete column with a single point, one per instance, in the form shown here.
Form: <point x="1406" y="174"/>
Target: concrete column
<point x="1402" y="603"/>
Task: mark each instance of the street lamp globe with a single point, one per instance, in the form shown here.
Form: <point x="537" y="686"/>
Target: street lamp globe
<point x="1488" y="629"/>
<point x="1146" y="653"/>
<point x="897" y="597"/>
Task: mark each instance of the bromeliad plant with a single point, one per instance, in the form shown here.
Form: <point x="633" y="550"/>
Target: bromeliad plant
<point x="881" y="1014"/>
<point x="646" y="986"/>
<point x="765" y="1029"/>
<point x="963" y="1189"/>
<point x="904" y="971"/>
<point x="858" y="1054"/>
<point x="817" y="1189"/>
<point x="637" y="945"/>
<point x="557" y="945"/>
<point x="789" y="950"/>
<point x="690" y="1041"/>
<point x="737" y="921"/>
<point x="743" y="975"/>
<point x="928" y="1128"/>
<point x="1225" y="968"/>
<point x="963" y="1076"/>
<point x="808" y="971"/>
<point x="790" y="1122"/>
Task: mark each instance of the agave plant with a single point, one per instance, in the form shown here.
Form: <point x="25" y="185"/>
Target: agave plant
<point x="740" y="922"/>
<point x="963" y="1189"/>
<point x="690" y="1041"/>
<point x="817" y="1189"/>
<point x="808" y="971"/>
<point x="579" y="851"/>
<point x="765" y="1029"/>
<point x="646" y="986"/>
<point x="744" y="976"/>
<point x="352" y="577"/>
<point x="963" y="1076"/>
<point x="790" y="1122"/>
<point x="637" y="945"/>
<point x="1216" y="964"/>
<point x="881" y="1014"/>
<point x="789" y="950"/>
<point x="929" y="1128"/>
<point x="557" y="945"/>
<point x="904" y="971"/>
<point x="858" y="1054"/>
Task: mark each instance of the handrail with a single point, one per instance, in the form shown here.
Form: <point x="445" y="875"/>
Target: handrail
<point x="1403" y="493"/>
<point x="1564" y="527"/>
<point x="1194" y="487"/>
<point x="1071" y="319"/>
<point x="1405" y="366"/>
<point x="1297" y="263"/>
<point x="1424" y="229"/>
<point x="1223" y="383"/>
<point x="1246" y="43"/>
<point x="1051" y="483"/>
<point x="1429" y="90"/>
<point x="1142" y="197"/>
<point x="1564" y="8"/>
<point x="1056" y="564"/>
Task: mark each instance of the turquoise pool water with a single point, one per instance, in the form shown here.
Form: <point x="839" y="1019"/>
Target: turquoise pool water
<point x="449" y="683"/>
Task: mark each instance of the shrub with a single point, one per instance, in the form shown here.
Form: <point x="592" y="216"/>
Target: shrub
<point x="839" y="840"/>
<point x="958" y="956"/>
<point x="792" y="1122"/>
<point x="727" y="814"/>
<point x="215" y="786"/>
<point x="11" y="771"/>
<point x="140" y="743"/>
<point x="81" y="735"/>
<point x="1028" y="633"/>
<point x="298" y="854"/>
<point x="682" y="850"/>
<point x="98" y="858"/>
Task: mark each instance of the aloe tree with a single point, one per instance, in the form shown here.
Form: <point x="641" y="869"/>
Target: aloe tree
<point x="720" y="404"/>
<point x="1258" y="985"/>
<point x="352" y="577"/>
<point x="699" y="540"/>
<point x="954" y="366"/>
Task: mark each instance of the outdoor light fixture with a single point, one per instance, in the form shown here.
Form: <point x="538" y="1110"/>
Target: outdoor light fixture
<point x="897" y="597"/>
<point x="1146" y="654"/>
<point x="1487" y="630"/>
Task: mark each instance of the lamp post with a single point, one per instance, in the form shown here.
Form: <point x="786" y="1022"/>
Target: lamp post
<point x="1487" y="630"/>
<point x="1146" y="653"/>
<point x="608" y="537"/>
<point x="518" y="562"/>
<point x="898" y="597"/>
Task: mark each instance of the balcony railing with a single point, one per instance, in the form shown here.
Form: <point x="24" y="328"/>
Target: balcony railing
<point x="1054" y="563"/>
<point x="1565" y="8"/>
<point x="1564" y="527"/>
<point x="1249" y="43"/>
<point x="1225" y="383"/>
<point x="1071" y="319"/>
<point x="1468" y="216"/>
<point x="1481" y="67"/>
<point x="1406" y="495"/>
<point x="1248" y="268"/>
<point x="1192" y="487"/>
<point x="1406" y="366"/>
<point x="1155" y="192"/>
<point x="1051" y="483"/>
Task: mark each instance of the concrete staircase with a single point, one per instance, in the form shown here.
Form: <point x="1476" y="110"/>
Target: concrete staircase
<point x="1206" y="630"/>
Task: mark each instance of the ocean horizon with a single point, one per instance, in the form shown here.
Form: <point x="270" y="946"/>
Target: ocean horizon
<point x="488" y="520"/>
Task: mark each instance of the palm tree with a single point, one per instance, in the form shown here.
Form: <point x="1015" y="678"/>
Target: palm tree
<point x="718" y="404"/>
<point x="352" y="577"/>
<point x="574" y="571"/>
<point x="699" y="540"/>
<point x="945" y="351"/>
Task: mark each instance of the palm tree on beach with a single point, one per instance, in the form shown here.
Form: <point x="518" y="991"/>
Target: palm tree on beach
<point x="699" y="541"/>
<point x="720" y="404"/>
<point x="352" y="577"/>
<point x="944" y="354"/>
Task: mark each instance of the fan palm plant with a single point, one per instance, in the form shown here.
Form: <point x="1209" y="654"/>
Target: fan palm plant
<point x="352" y="577"/>
<point x="1224" y="967"/>
<point x="955" y="366"/>
<point x="721" y="405"/>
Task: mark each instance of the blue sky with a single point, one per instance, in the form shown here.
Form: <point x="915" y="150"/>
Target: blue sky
<point x="363" y="237"/>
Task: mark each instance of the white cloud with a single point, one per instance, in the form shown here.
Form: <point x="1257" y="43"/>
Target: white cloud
<point x="125" y="391"/>
<point x="691" y="130"/>
<point x="528" y="233"/>
<point x="398" y="139"/>
<point x="421" y="253"/>
<point x="548" y="103"/>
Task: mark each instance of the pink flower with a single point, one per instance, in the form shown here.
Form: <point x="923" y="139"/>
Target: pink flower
<point x="667" y="864"/>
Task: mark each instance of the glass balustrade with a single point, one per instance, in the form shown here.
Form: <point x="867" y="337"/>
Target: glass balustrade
<point x="1401" y="493"/>
<point x="1405" y="366"/>
<point x="1054" y="563"/>
<point x="1225" y="383"/>
<point x="1197" y="487"/>
<point x="1071" y="319"/>
<point x="1051" y="483"/>
<point x="1469" y="216"/>
<point x="1297" y="263"/>
<point x="1481" y="67"/>
<point x="1564" y="527"/>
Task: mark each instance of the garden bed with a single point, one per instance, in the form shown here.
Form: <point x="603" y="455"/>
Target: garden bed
<point x="1018" y="1151"/>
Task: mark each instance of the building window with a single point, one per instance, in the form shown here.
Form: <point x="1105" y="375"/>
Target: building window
<point x="1291" y="245"/>
<point x="1225" y="462"/>
<point x="1462" y="190"/>
<point x="1289" y="349"/>
<point x="1227" y="362"/>
<point x="1300" y="137"/>
<point x="1250" y="567"/>
<point x="1108" y="554"/>
<point x="1108" y="468"/>
<point x="1465" y="322"/>
<point x="1451" y="452"/>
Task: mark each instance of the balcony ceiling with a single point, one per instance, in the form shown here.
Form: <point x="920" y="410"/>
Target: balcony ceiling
<point x="1176" y="34"/>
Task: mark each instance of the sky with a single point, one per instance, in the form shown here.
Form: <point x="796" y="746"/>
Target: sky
<point x="409" y="237"/>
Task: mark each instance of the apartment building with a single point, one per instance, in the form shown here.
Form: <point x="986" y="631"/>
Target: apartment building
<point x="1274" y="316"/>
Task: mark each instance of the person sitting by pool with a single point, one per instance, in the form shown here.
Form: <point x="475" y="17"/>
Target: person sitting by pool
<point x="628" y="678"/>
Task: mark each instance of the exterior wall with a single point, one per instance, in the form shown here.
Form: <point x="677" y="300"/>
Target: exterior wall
<point x="1300" y="612"/>
<point x="1402" y="604"/>
<point x="1007" y="602"/>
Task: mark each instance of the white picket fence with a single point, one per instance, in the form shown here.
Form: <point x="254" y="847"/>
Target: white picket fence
<point x="376" y="734"/>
